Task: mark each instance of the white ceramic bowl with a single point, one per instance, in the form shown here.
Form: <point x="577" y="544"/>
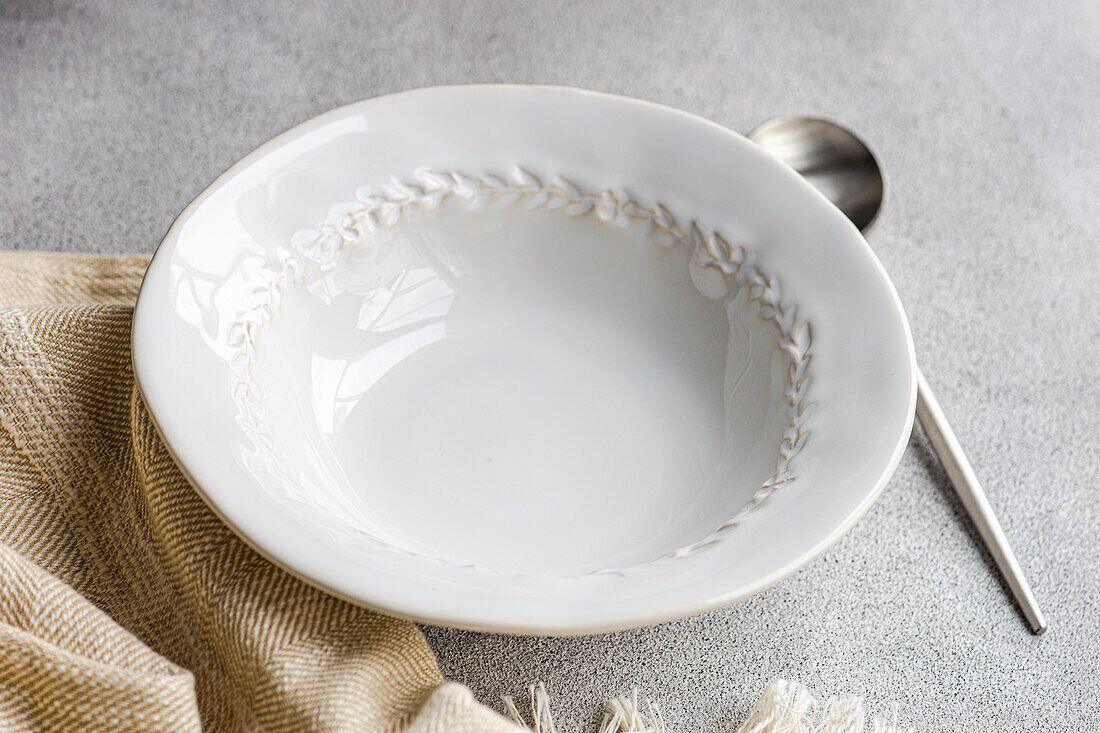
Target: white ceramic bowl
<point x="525" y="359"/>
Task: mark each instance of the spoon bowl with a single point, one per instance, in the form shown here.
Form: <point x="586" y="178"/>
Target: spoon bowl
<point x="832" y="159"/>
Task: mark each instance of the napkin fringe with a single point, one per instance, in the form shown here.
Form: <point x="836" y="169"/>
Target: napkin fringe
<point x="785" y="707"/>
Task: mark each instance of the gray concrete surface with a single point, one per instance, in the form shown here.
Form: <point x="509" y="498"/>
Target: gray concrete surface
<point x="987" y="115"/>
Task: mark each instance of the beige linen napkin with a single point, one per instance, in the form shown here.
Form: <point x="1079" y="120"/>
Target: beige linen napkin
<point x="125" y="604"/>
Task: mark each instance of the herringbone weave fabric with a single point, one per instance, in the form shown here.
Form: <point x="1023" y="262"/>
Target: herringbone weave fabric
<point x="125" y="604"/>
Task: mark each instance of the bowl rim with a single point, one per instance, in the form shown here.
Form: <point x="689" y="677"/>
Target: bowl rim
<point x="638" y="619"/>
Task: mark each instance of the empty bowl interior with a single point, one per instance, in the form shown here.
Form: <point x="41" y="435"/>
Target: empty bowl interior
<point x="521" y="390"/>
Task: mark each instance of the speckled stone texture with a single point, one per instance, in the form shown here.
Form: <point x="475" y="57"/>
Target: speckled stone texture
<point x="987" y="116"/>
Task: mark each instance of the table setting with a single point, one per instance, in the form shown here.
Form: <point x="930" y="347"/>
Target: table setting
<point x="495" y="381"/>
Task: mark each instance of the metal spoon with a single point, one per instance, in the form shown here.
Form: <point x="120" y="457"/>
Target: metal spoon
<point x="844" y="169"/>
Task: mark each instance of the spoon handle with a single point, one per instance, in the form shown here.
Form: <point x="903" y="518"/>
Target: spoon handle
<point x="974" y="500"/>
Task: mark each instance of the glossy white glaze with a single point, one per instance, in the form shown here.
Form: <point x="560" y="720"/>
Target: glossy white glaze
<point x="482" y="403"/>
<point x="594" y="416"/>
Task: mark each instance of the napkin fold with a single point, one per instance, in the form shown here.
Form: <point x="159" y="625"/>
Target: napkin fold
<point x="125" y="604"/>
